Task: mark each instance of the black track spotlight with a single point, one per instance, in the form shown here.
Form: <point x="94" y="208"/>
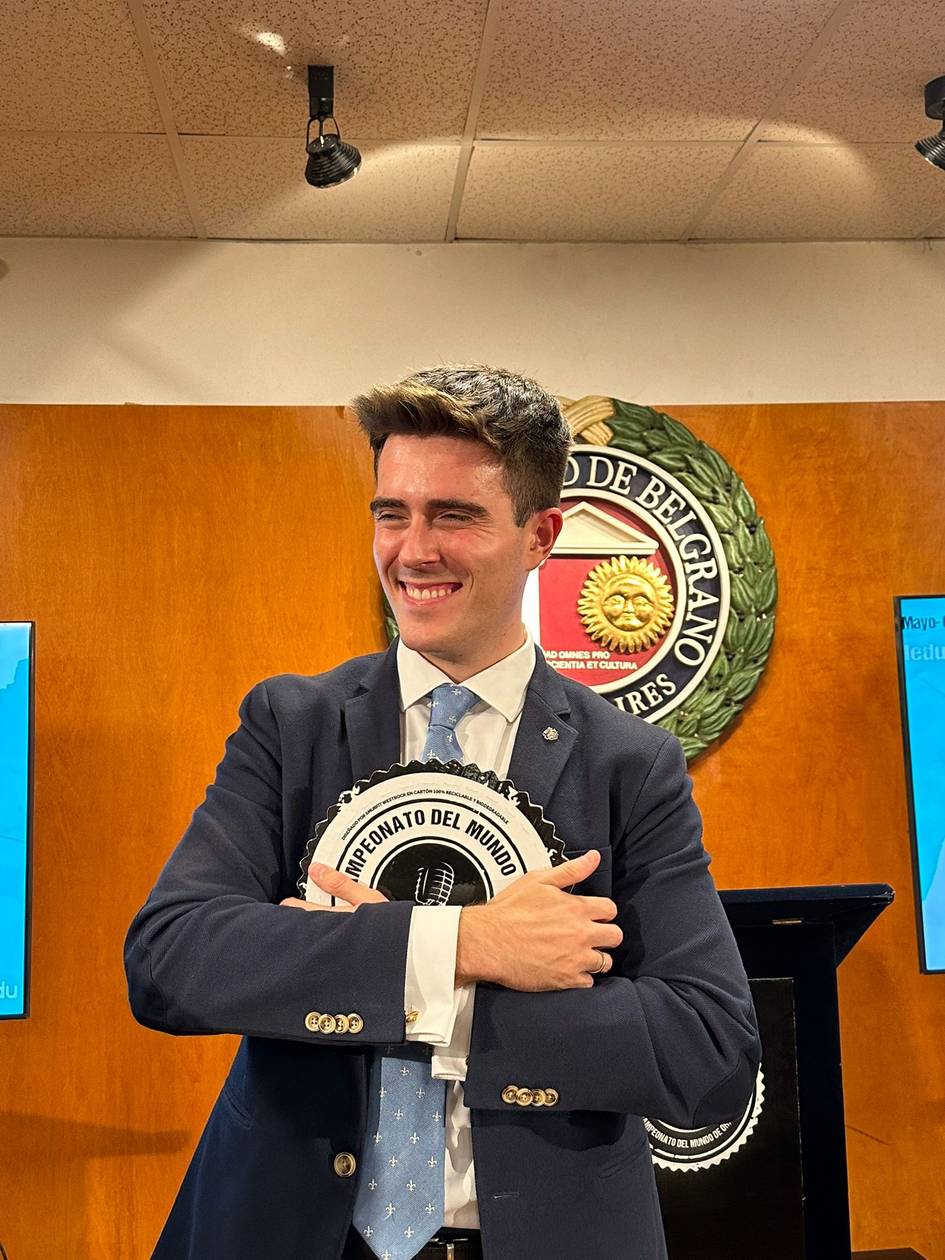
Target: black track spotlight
<point x="330" y="160"/>
<point x="933" y="147"/>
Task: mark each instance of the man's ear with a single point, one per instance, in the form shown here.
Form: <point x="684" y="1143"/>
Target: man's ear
<point x="544" y="528"/>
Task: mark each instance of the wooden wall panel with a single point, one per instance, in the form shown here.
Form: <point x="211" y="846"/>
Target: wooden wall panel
<point x="810" y="787"/>
<point x="170" y="557"/>
<point x="173" y="556"/>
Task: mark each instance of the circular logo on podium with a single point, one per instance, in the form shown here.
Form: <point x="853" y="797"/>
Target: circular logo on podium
<point x="432" y="833"/>
<point x="690" y="1150"/>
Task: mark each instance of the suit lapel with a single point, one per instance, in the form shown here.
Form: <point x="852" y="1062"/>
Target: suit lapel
<point x="538" y="761"/>
<point x="372" y="727"/>
<point x="372" y="719"/>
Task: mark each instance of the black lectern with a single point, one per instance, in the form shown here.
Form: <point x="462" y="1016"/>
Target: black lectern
<point x="773" y="1183"/>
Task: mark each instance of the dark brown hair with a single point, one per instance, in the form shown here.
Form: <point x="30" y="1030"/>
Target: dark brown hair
<point x="513" y="416"/>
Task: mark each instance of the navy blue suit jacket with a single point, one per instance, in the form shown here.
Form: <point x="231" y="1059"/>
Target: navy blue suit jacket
<point x="669" y="1033"/>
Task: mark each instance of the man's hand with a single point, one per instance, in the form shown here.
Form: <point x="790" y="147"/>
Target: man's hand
<point x="534" y="936"/>
<point x="337" y="885"/>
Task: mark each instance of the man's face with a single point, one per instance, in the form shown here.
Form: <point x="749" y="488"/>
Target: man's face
<point x="451" y="559"/>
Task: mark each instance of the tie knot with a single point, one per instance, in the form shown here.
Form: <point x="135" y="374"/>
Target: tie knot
<point x="450" y="704"/>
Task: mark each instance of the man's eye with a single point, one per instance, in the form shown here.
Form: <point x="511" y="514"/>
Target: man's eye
<point x="455" y="517"/>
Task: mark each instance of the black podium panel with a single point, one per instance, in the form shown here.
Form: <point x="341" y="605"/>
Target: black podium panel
<point x="781" y="1189"/>
<point x="762" y="1175"/>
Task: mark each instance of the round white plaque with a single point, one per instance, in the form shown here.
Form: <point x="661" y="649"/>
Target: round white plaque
<point x="432" y="833"/>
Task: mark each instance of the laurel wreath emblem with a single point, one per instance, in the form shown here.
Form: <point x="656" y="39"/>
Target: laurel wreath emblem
<point x="735" y="672"/>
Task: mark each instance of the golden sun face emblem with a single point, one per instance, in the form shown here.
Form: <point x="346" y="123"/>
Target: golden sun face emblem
<point x="626" y="604"/>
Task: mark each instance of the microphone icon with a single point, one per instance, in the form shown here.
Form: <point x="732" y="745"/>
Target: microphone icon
<point x="434" y="884"/>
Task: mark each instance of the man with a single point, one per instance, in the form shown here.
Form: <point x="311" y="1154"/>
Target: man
<point x="557" y="1018"/>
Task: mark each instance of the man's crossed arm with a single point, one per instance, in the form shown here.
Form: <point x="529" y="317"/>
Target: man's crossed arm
<point x="533" y="936"/>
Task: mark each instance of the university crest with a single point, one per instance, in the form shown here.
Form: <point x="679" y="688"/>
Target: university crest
<point x="661" y="590"/>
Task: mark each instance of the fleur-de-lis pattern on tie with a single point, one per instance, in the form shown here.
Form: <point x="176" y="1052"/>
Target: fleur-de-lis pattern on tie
<point x="400" y="1199"/>
<point x="449" y="705"/>
<point x="400" y="1195"/>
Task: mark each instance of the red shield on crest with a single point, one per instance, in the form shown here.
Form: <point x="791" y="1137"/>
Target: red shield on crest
<point x="605" y="597"/>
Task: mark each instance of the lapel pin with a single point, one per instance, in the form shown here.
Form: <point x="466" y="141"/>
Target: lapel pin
<point x="550" y="734"/>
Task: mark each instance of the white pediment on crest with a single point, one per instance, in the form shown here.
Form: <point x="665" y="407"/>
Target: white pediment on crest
<point x="589" y="531"/>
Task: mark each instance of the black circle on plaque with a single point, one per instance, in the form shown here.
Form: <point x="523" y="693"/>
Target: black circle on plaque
<point x="431" y="873"/>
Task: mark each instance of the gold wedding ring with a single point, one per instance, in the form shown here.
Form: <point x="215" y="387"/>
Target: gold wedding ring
<point x="603" y="963"/>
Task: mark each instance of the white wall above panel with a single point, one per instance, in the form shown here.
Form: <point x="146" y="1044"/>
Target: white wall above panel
<point x="209" y="322"/>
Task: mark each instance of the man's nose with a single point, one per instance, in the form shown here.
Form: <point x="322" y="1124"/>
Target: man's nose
<point x="418" y="545"/>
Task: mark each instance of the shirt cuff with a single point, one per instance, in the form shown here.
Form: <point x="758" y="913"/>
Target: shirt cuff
<point x="431" y="999"/>
<point x="450" y="1063"/>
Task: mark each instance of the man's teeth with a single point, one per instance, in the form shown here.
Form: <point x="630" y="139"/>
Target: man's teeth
<point x="427" y="592"/>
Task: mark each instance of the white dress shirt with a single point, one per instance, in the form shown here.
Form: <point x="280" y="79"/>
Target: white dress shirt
<point x="486" y="735"/>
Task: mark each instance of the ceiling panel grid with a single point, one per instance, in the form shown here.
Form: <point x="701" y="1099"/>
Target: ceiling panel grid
<point x="479" y="119"/>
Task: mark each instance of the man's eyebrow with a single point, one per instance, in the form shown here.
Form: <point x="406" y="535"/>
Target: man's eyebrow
<point x="378" y="505"/>
<point x="459" y="505"/>
<point x="434" y="505"/>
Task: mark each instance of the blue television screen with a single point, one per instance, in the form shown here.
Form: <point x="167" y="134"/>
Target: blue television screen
<point x="920" y="621"/>
<point x="16" y="727"/>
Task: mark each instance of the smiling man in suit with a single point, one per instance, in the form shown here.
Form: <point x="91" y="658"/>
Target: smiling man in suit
<point x="551" y="1019"/>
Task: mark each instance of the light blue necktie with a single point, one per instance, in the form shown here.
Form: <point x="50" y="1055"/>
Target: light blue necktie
<point x="449" y="705"/>
<point x="400" y="1196"/>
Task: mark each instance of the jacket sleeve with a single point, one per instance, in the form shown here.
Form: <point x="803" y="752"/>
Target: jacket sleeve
<point x="670" y="1032"/>
<point x="212" y="951"/>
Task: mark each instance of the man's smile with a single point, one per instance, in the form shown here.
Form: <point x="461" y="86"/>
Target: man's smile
<point x="424" y="593"/>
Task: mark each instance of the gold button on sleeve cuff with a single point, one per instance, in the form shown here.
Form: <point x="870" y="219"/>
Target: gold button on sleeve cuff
<point x="521" y="1096"/>
<point x="411" y="1016"/>
<point x="316" y="1022"/>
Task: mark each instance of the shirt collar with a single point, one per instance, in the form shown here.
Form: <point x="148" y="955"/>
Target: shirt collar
<point x="502" y="685"/>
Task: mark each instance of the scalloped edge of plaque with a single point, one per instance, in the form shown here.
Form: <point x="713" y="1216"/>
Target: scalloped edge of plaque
<point x="712" y="1160"/>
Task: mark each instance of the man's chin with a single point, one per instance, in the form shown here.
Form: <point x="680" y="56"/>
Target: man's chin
<point x="420" y="640"/>
<point x="435" y="647"/>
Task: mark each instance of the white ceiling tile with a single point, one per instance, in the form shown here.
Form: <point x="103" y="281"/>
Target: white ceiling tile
<point x="827" y="192"/>
<point x="402" y="71"/>
<point x="635" y="70"/>
<point x="73" y="67"/>
<point x="664" y="80"/>
<point x="867" y="84"/>
<point x="255" y="187"/>
<point x="90" y="186"/>
<point x="600" y="192"/>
